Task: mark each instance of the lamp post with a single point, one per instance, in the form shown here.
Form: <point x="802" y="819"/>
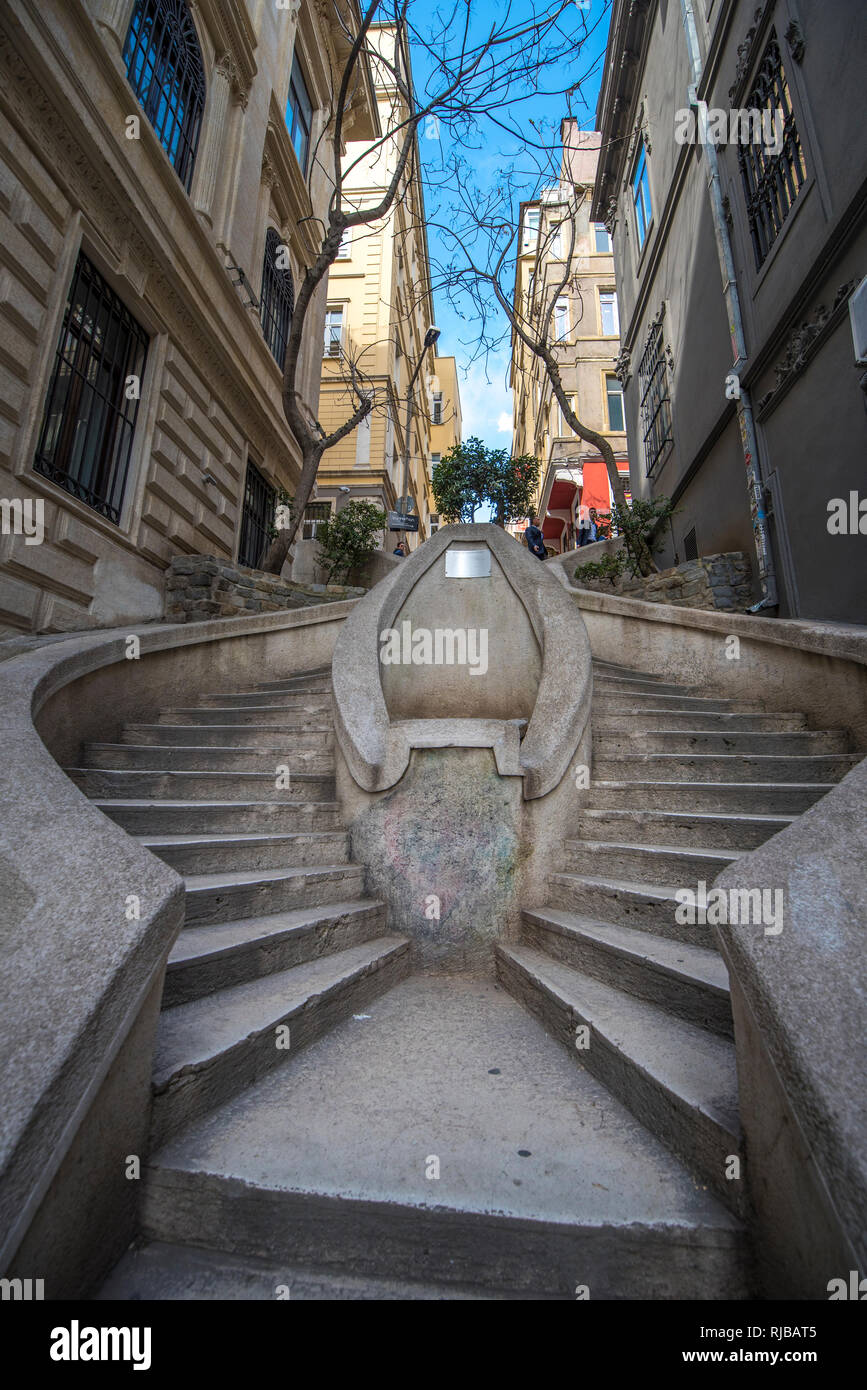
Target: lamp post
<point x="429" y="339"/>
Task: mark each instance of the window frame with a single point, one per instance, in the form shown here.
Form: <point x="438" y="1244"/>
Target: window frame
<point x="251" y="521"/>
<point x="609" y="249"/>
<point x="280" y="327"/>
<point x="113" y="447"/>
<point x="608" y="377"/>
<point x="296" y="79"/>
<point x="640" y="184"/>
<point x="759" y="171"/>
<point x="150" y="73"/>
<point x="604" y="295"/>
<point x="330" y="340"/>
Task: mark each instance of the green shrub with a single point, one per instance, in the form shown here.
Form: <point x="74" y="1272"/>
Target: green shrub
<point x="349" y="536"/>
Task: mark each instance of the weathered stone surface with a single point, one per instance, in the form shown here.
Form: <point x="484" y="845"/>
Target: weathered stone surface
<point x="202" y="586"/>
<point x="712" y="581"/>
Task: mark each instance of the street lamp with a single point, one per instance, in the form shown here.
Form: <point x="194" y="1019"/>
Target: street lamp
<point x="429" y="339"/>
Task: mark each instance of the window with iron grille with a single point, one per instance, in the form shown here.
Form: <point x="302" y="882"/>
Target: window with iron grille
<point x="314" y="514"/>
<point x="89" y="422"/>
<point x="771" y="180"/>
<point x="277" y="300"/>
<point x="655" y="402"/>
<point x="437" y="416"/>
<point x="165" y="70"/>
<point x="257" y="518"/>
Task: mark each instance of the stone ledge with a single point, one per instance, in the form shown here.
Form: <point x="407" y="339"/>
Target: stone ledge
<point x="713" y="582"/>
<point x="201" y="587"/>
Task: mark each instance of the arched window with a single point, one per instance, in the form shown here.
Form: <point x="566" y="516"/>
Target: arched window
<point x="278" y="296"/>
<point x="165" y="69"/>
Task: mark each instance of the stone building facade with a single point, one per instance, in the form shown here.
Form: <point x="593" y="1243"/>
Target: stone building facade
<point x="585" y="331"/>
<point x="380" y="307"/>
<point x="743" y="367"/>
<point x="160" y="170"/>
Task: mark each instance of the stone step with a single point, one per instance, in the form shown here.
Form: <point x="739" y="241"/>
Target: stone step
<point x="607" y="701"/>
<point x="687" y="981"/>
<point x="611" y="668"/>
<point x="212" y="854"/>
<point x="678" y="1079"/>
<point x="771" y="743"/>
<point x="635" y="685"/>
<point x="546" y="1180"/>
<point x="207" y="758"/>
<point x="258" y="716"/>
<point x="230" y="896"/>
<point x="243" y="699"/>
<point x="316" y="682"/>
<point x="159" y="1272"/>
<point x="206" y="959"/>
<point x="692" y="829"/>
<point x="635" y="719"/>
<point x="216" y="817"/>
<point x="646" y="863"/>
<point x="192" y="785"/>
<point x="276" y="739"/>
<point x="213" y="1048"/>
<point x="761" y="798"/>
<point x="644" y="906"/>
<point x="725" y="767"/>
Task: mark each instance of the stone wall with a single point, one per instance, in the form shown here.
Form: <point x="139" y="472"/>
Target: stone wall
<point x="713" y="581"/>
<point x="200" y="587"/>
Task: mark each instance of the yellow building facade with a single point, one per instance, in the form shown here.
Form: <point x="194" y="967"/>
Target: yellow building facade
<point x="557" y="234"/>
<point x="379" y="311"/>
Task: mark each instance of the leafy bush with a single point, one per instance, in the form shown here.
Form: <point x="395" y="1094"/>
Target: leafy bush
<point x="348" y="537"/>
<point x="610" y="567"/>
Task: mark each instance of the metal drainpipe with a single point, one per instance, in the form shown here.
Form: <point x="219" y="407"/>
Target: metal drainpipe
<point x="761" y="534"/>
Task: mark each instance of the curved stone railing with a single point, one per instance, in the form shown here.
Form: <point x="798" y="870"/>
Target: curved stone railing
<point x="88" y="920"/>
<point x="377" y="748"/>
<point x="799" y="997"/>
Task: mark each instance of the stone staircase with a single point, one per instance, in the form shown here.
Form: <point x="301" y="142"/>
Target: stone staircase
<point x="682" y="784"/>
<point x="279" y="940"/>
<point x="317" y="1176"/>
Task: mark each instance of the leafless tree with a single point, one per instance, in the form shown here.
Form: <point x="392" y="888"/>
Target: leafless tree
<point x="473" y="71"/>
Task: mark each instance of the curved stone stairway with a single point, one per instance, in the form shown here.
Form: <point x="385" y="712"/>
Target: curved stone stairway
<point x="427" y="1137"/>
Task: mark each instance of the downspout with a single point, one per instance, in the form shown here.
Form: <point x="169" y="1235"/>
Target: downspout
<point x="746" y="422"/>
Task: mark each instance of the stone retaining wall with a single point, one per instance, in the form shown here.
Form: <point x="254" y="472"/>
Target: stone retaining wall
<point x="201" y="587"/>
<point x="713" y="581"/>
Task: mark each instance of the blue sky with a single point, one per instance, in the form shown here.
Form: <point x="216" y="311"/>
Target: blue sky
<point x="486" y="399"/>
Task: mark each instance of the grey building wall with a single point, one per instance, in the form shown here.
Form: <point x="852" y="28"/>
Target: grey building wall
<point x="810" y="409"/>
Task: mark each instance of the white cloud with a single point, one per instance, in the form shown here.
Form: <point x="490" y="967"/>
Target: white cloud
<point x="486" y="401"/>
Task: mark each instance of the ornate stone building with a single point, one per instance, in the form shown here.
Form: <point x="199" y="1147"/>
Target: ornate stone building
<point x="162" y="164"/>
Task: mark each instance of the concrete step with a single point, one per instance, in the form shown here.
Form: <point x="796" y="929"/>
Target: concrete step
<point x="644" y="906"/>
<point x="692" y="829"/>
<point x="206" y="959"/>
<point x="207" y="758"/>
<point x="211" y="1049"/>
<point x="760" y="798"/>
<point x="635" y="685"/>
<point x="609" y="701"/>
<point x="258" y="716"/>
<point x="678" y="1079"/>
<point x="276" y="738"/>
<point x="299" y="700"/>
<point x="545" y="1179"/>
<point x="230" y="896"/>
<point x="221" y="817"/>
<point x="212" y="854"/>
<point x="771" y="743"/>
<point x="648" y="863"/>
<point x="159" y="1272"/>
<point x="636" y="718"/>
<point x="687" y="981"/>
<point x="611" y="668"/>
<point x="725" y="767"/>
<point x="188" y="784"/>
<point x="316" y="683"/>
